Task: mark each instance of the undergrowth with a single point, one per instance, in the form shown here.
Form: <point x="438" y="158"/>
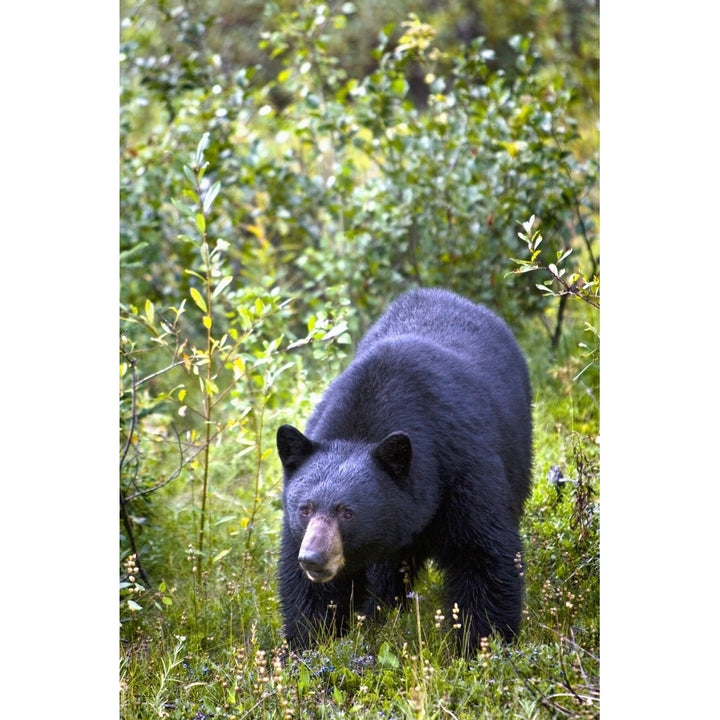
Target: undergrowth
<point x="213" y="648"/>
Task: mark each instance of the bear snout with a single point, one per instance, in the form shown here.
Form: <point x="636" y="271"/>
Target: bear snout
<point x="315" y="565"/>
<point x="321" y="553"/>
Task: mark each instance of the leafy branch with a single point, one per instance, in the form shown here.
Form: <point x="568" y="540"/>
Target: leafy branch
<point x="561" y="281"/>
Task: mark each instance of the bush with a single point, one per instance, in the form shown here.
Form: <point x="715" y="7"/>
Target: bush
<point x="341" y="183"/>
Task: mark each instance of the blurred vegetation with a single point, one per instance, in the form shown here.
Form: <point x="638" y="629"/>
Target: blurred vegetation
<point x="285" y="171"/>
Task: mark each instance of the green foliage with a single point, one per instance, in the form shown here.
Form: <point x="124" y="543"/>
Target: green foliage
<point x="218" y="386"/>
<point x="342" y="186"/>
<point x="268" y="213"/>
<point x="570" y="283"/>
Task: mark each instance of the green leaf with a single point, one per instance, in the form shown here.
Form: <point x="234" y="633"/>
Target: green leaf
<point x="198" y="298"/>
<point x="134" y="606"/>
<point x="207" y="321"/>
<point x="224" y="282"/>
<point x="189" y="174"/>
<point x="528" y="224"/>
<point x="185" y="208"/>
<point x="150" y="313"/>
<point x="220" y="556"/>
<point x="210" y="196"/>
<point x="387" y="657"/>
<point x="133" y="252"/>
<point x="200" y="222"/>
<point x="526" y="267"/>
<point x="202" y="146"/>
<point x="339" y="329"/>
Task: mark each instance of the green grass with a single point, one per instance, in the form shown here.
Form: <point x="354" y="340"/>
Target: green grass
<point x="211" y="647"/>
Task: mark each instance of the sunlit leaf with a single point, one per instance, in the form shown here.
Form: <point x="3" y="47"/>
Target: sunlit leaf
<point x="224" y="282"/>
<point x="220" y="555"/>
<point x="339" y="329"/>
<point x="210" y="196"/>
<point x="198" y="298"/>
<point x="202" y="146"/>
<point x="150" y="313"/>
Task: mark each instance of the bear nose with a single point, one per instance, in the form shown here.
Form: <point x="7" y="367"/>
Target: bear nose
<point x="312" y="560"/>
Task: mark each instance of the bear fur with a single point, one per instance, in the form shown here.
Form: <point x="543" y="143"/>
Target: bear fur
<point x="421" y="449"/>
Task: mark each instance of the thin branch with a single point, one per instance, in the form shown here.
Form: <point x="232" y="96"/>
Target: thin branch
<point x="172" y="476"/>
<point x="160" y="372"/>
<point x="123" y="500"/>
<point x="133" y="413"/>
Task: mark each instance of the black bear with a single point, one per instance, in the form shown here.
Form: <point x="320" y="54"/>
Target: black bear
<point x="421" y="449"/>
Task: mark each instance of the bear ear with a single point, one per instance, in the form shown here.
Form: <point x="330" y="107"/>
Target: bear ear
<point x="293" y="447"/>
<point x="394" y="454"/>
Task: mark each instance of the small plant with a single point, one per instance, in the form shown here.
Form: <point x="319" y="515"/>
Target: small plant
<point x="561" y="282"/>
<point x="163" y="692"/>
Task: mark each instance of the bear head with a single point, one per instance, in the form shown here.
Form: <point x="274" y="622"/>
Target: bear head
<point x="345" y="501"/>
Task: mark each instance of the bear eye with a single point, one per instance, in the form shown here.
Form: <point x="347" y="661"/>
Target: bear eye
<point x="305" y="510"/>
<point x="346" y="513"/>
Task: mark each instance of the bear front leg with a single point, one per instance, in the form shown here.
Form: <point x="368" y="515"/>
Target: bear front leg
<point x="488" y="590"/>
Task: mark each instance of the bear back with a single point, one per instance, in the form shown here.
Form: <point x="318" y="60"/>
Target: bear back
<point x="449" y="373"/>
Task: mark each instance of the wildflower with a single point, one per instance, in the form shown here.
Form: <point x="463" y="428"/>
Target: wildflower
<point x="456" y="617"/>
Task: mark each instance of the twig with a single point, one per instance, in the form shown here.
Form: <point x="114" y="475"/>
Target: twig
<point x="123" y="501"/>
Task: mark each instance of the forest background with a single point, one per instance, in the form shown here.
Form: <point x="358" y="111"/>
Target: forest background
<point x="85" y="291"/>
